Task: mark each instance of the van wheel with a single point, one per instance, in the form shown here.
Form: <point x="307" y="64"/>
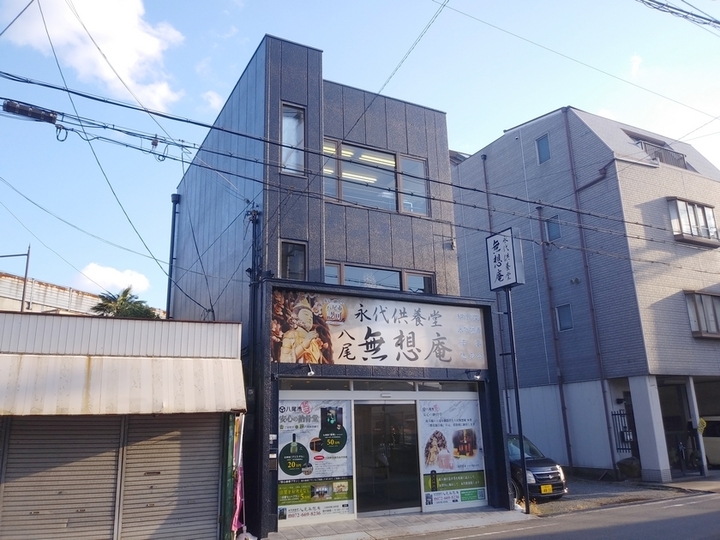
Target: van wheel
<point x="516" y="493"/>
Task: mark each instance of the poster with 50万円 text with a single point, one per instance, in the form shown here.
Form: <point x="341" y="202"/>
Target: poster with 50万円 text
<point x="314" y="459"/>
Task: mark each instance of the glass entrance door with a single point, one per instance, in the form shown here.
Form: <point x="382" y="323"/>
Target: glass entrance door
<point x="386" y="449"/>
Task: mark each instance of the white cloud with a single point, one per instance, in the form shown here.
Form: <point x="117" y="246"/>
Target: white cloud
<point x="96" y="278"/>
<point x="635" y="62"/>
<point x="133" y="47"/>
<point x="230" y="33"/>
<point x="203" y="68"/>
<point x="213" y="99"/>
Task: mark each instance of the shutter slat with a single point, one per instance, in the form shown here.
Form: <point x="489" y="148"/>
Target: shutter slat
<point x="178" y="498"/>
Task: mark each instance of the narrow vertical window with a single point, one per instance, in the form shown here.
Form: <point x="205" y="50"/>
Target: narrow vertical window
<point x="564" y="317"/>
<point x="330" y="169"/>
<point x="293" y="139"/>
<point x="413" y="186"/>
<point x="543" y="148"/>
<point x="293" y="261"/>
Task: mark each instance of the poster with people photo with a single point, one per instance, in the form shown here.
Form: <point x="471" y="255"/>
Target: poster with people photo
<point x="314" y="460"/>
<point x="451" y="455"/>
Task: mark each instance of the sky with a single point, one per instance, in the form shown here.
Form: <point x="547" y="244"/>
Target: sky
<point x="96" y="213"/>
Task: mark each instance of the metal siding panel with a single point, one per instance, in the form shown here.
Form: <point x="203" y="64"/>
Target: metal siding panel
<point x="28" y="333"/>
<point x="60" y="477"/>
<point x="172" y="477"/>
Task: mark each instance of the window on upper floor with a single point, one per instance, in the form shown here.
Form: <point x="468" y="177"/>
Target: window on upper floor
<point x="375" y="179"/>
<point x="552" y="228"/>
<point x="293" y="140"/>
<point x="703" y="310"/>
<point x="543" y="148"/>
<point x="292" y="261"/>
<point x="693" y="222"/>
<point x="663" y="153"/>
<point x="378" y="278"/>
<point x="564" y="318"/>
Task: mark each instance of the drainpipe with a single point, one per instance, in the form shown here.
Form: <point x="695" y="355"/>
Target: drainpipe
<point x="588" y="289"/>
<point x="556" y="344"/>
<point x="175" y="199"/>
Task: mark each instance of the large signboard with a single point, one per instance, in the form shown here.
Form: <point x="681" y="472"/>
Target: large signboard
<point x="314" y="328"/>
<point x="314" y="459"/>
<point x="451" y="455"/>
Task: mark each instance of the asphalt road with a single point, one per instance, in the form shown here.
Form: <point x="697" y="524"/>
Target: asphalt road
<point x="695" y="517"/>
<point x="589" y="494"/>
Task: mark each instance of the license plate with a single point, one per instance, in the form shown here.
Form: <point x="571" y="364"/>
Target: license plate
<point x="545" y="489"/>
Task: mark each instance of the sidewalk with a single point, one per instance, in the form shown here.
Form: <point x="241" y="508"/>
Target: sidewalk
<point x="399" y="525"/>
<point x="587" y="494"/>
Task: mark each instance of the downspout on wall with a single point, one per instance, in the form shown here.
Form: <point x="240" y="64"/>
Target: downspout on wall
<point x="175" y="199"/>
<point x="588" y="289"/>
<point x="556" y="346"/>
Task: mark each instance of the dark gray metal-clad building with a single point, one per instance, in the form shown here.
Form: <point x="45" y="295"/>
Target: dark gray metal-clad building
<point x="321" y="216"/>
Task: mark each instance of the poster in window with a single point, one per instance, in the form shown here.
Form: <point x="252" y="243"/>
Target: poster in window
<point x="451" y="455"/>
<point x="314" y="460"/>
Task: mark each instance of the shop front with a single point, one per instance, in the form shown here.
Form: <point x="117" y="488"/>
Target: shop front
<point x="382" y="406"/>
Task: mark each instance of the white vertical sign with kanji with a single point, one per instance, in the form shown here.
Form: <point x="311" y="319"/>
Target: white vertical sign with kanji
<point x="504" y="260"/>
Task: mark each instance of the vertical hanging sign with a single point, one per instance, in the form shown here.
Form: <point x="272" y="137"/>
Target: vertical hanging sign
<point x="505" y="261"/>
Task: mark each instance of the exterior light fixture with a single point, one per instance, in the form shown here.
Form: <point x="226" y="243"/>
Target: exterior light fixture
<point x="311" y="371"/>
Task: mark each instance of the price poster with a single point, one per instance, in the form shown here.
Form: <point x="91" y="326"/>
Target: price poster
<point x="314" y="459"/>
<point x="451" y="455"/>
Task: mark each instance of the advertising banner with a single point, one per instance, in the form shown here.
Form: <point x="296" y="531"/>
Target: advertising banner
<point x="451" y="455"/>
<point x="313" y="328"/>
<point x="314" y="459"/>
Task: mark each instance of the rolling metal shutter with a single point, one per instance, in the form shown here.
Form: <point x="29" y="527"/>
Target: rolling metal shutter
<point x="60" y="477"/>
<point x="171" y="477"/>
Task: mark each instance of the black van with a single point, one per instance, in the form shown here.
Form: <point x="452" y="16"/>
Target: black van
<point x="545" y="478"/>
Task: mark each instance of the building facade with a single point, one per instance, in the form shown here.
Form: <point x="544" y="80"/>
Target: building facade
<point x="41" y="297"/>
<point x="117" y="428"/>
<point x="616" y="326"/>
<point x="321" y="217"/>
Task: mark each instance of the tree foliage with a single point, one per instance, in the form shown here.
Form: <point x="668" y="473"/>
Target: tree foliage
<point x="123" y="305"/>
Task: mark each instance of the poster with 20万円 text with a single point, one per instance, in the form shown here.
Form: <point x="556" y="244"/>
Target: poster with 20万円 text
<point x="314" y="459"/>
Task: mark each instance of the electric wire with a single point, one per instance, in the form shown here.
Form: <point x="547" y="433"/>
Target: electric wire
<point x="97" y="159"/>
<point x="16" y="17"/>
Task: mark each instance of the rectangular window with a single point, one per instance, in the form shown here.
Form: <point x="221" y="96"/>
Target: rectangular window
<point x="704" y="313"/>
<point x="376" y="278"/>
<point x="293" y="139"/>
<point x="373" y="278"/>
<point x="564" y="317"/>
<point x="543" y="148"/>
<point x="332" y="274"/>
<point x="292" y="261"/>
<point x="413" y="186"/>
<point x="552" y="228"/>
<point x="330" y="169"/>
<point x="419" y="283"/>
<point x="693" y="222"/>
<point x="374" y="179"/>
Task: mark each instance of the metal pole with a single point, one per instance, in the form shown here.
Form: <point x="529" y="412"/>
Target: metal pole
<point x="526" y="489"/>
<point x="27" y="266"/>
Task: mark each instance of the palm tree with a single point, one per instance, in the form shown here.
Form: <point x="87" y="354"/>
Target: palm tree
<point x="123" y="305"/>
